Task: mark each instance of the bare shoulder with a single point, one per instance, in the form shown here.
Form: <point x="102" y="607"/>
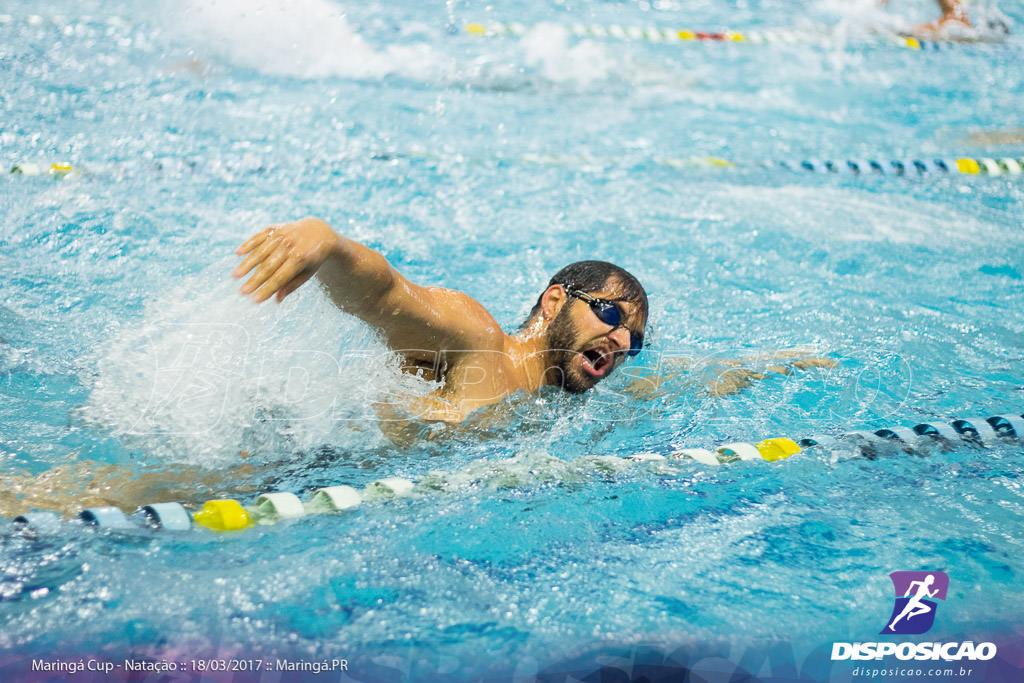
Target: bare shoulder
<point x="466" y="319"/>
<point x="434" y="319"/>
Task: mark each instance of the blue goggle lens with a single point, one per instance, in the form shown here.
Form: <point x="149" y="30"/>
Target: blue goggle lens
<point x="610" y="314"/>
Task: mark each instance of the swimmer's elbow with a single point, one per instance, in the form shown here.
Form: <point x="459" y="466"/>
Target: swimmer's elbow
<point x="357" y="277"/>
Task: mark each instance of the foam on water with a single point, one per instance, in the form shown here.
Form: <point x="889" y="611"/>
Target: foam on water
<point x="206" y="374"/>
<point x="862" y="16"/>
<point x="547" y="46"/>
<point x="301" y="38"/>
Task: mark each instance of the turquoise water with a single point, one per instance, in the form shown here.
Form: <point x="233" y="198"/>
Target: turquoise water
<point x="486" y="164"/>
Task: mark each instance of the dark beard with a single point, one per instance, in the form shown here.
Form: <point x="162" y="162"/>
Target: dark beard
<point x="561" y="336"/>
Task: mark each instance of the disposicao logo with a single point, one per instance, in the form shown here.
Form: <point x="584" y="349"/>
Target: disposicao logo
<point x="913" y="613"/>
<point x="916" y="592"/>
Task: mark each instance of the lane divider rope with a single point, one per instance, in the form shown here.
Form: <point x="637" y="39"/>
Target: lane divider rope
<point x="963" y="165"/>
<point x="984" y="166"/>
<point x="275" y="507"/>
<point x="654" y="34"/>
<point x="650" y="34"/>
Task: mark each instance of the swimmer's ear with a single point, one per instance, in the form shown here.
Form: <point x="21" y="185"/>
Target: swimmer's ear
<point x="552" y="300"/>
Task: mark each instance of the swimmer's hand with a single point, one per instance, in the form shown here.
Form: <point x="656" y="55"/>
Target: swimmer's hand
<point x="284" y="256"/>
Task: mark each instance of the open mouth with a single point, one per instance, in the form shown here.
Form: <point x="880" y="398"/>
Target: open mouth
<point x="597" y="362"/>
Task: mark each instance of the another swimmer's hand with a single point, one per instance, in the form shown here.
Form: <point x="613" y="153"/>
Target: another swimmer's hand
<point x="284" y="256"/>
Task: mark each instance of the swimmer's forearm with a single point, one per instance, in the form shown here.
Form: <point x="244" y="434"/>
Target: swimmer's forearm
<point x="356" y="277"/>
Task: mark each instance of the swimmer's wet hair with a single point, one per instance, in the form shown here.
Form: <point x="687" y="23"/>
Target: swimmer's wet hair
<point x="592" y="276"/>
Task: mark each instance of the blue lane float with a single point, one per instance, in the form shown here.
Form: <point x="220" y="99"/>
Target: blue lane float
<point x="1011" y="425"/>
<point x="938" y="430"/>
<point x="107" y="517"/>
<point x="978" y="429"/>
<point x="38" y="521"/>
<point x="904" y="434"/>
<point x="227" y="515"/>
<point x="821" y="440"/>
<point x="169" y="516"/>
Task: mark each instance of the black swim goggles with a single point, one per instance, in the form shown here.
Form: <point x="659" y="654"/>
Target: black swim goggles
<point x="609" y="314"/>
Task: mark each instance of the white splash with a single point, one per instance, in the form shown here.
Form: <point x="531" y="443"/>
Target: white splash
<point x="546" y="46"/>
<point x="302" y="38"/>
<point x="207" y="374"/>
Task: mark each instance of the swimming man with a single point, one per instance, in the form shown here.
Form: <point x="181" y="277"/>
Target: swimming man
<point x="952" y="23"/>
<point x="590" y="317"/>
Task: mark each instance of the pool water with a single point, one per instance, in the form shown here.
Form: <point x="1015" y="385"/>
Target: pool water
<point x="486" y="163"/>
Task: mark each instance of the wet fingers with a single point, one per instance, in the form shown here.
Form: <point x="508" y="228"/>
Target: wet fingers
<point x="254" y="241"/>
<point x="276" y="279"/>
<point x="255" y="258"/>
<point x="265" y="271"/>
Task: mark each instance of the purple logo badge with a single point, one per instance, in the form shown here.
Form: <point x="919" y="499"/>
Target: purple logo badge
<point x="916" y="592"/>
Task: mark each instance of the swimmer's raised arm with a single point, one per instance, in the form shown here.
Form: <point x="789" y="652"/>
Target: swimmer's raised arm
<point x="360" y="281"/>
<point x="953" y="14"/>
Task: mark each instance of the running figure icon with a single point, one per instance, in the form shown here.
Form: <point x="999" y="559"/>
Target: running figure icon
<point x="915" y="607"/>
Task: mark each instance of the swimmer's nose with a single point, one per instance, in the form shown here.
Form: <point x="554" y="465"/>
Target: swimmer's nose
<point x="619" y="337"/>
